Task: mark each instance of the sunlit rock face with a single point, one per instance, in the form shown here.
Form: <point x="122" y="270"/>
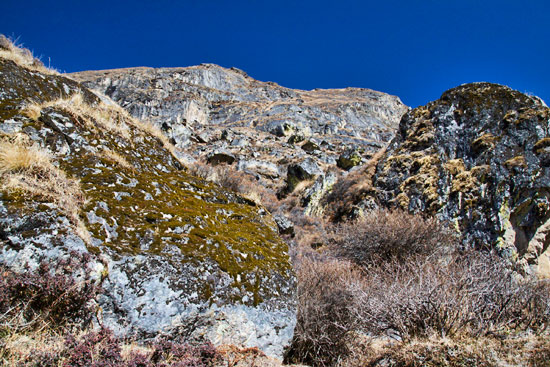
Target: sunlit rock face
<point x="173" y="252"/>
<point x="478" y="157"/>
<point x="208" y="109"/>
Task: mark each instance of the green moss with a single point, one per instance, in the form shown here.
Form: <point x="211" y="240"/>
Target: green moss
<point x="423" y="180"/>
<point x="149" y="206"/>
<point x="226" y="230"/>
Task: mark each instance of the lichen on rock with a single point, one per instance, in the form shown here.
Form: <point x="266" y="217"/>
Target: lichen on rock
<point x="479" y="149"/>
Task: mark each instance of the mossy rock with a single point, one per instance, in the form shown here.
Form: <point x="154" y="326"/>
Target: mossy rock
<point x="349" y="159"/>
<point x="174" y="245"/>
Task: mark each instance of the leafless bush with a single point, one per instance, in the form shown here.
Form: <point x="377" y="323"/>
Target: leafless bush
<point x="472" y="294"/>
<point x="238" y="181"/>
<point x="385" y="235"/>
<point x="403" y="287"/>
<point x="325" y="311"/>
<point x="48" y="295"/>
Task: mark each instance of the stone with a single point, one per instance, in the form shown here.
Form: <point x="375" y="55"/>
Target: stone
<point x="221" y="157"/>
<point x="310" y="146"/>
<point x="476" y="158"/>
<point x="312" y="198"/>
<point x="208" y="108"/>
<point x="286" y="227"/>
<point x="302" y="171"/>
<point x="349" y="159"/>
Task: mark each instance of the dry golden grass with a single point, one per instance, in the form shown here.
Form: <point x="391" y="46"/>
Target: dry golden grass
<point x="17" y="155"/>
<point x="27" y="167"/>
<point x="525" y="351"/>
<point x="115" y="120"/>
<point x="18" y="347"/>
<point x="109" y="116"/>
<point x="23" y="57"/>
<point x="117" y="158"/>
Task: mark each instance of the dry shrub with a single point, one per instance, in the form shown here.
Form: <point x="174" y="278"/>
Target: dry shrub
<point x="457" y="296"/>
<point x="408" y="280"/>
<point x="25" y="166"/>
<point x="49" y="295"/>
<point x="470" y="295"/>
<point x="310" y="232"/>
<point x="384" y="235"/>
<point x="237" y="181"/>
<point x="325" y="312"/>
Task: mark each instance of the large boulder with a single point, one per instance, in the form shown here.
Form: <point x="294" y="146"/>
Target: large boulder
<point x="477" y="157"/>
<point x="174" y="253"/>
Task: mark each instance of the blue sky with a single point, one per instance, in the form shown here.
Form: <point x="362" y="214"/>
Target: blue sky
<point x="413" y="49"/>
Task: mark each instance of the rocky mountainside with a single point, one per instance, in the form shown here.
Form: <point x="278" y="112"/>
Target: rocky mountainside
<point x="173" y="252"/>
<point x="475" y="157"/>
<point x="112" y="252"/>
<point x="218" y="115"/>
<point x="479" y="158"/>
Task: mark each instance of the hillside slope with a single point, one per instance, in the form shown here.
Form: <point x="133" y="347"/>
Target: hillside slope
<point x="173" y="252"/>
<point x="218" y="115"/>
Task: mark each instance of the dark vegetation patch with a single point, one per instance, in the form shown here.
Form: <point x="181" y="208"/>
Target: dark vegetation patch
<point x="60" y="294"/>
<point x="393" y="276"/>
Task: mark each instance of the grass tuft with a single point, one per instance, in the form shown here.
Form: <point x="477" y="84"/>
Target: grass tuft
<point x="10" y="50"/>
<point x="26" y="167"/>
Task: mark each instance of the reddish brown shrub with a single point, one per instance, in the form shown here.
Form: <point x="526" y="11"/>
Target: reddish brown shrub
<point x="50" y="294"/>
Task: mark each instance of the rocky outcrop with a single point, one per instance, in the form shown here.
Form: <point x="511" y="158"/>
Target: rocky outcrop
<point x="174" y="253"/>
<point x="206" y="109"/>
<point x="479" y="158"/>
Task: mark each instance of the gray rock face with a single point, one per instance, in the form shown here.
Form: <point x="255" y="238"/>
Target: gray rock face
<point x="261" y="121"/>
<point x="215" y="96"/>
<point x="477" y="157"/>
<point x="175" y="254"/>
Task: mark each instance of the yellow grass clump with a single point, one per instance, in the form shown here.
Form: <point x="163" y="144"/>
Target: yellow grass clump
<point x="106" y="116"/>
<point x="24" y="166"/>
<point x="117" y="158"/>
<point x="23" y="57"/>
<point x="109" y="116"/>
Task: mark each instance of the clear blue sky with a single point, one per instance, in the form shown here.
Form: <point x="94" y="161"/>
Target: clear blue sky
<point x="413" y="49"/>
